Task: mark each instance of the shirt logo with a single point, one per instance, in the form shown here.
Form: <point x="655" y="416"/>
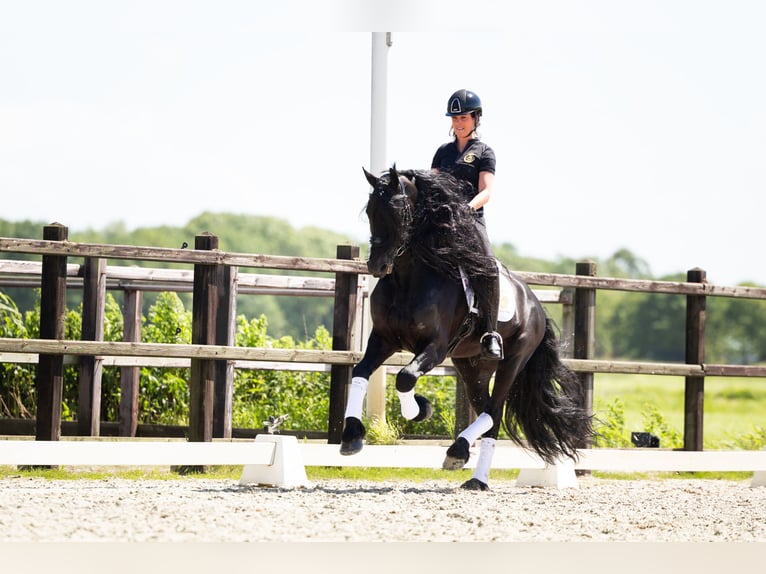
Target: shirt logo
<point x="469" y="158"/>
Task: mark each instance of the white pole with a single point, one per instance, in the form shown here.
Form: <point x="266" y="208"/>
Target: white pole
<point x="381" y="42"/>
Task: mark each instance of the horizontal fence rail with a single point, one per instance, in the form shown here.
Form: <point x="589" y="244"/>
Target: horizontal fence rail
<point x="28" y="273"/>
<point x="315" y="357"/>
<point x="42" y="247"/>
<point x="192" y="256"/>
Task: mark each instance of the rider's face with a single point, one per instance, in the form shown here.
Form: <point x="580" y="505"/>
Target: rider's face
<point x="463" y="125"/>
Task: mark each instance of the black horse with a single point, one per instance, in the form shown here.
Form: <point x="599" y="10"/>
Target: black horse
<point x="423" y="241"/>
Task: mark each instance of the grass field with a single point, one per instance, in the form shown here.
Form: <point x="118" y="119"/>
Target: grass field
<point x="734" y="407"/>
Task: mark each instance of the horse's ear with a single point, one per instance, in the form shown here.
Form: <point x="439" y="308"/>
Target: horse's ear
<point x="370" y="178"/>
<point x="393" y="178"/>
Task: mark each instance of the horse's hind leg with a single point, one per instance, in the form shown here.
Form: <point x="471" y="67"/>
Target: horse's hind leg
<point x="505" y="377"/>
<point x="475" y="378"/>
<point x="480" y="478"/>
<point x="487" y="424"/>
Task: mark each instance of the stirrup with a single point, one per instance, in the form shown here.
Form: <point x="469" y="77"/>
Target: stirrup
<point x="487" y="350"/>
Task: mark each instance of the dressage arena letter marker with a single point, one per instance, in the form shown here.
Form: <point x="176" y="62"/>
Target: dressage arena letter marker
<point x="559" y="475"/>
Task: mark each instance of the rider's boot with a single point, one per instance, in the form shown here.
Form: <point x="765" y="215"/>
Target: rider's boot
<point x="491" y="341"/>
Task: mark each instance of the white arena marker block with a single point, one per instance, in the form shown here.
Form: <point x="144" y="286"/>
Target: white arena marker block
<point x="286" y="469"/>
<point x="559" y="475"/>
<point x="759" y="477"/>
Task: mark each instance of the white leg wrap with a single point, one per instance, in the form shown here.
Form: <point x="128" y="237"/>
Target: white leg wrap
<point x="410" y="408"/>
<point x="356" y="393"/>
<point x="486" y="451"/>
<point x="477" y="428"/>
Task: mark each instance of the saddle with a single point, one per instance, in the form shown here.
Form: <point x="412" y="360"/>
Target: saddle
<point x="507" y="304"/>
<point x="506" y="308"/>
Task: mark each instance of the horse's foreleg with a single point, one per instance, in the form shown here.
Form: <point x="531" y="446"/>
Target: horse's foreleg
<point x="352" y="439"/>
<point x="416" y="407"/>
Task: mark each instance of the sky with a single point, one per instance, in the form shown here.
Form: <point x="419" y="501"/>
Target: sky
<point x="636" y="125"/>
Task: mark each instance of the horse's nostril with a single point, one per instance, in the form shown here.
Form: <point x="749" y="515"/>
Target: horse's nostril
<point x="378" y="270"/>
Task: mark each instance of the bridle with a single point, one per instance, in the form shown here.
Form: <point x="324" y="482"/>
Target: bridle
<point x="406" y="220"/>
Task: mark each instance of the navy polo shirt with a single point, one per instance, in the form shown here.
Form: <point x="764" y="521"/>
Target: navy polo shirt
<point x="476" y="157"/>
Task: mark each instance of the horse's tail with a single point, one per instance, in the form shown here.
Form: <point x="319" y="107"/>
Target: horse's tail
<point x="545" y="403"/>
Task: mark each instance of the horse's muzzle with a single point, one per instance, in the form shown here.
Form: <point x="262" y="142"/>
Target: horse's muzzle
<point x="379" y="270"/>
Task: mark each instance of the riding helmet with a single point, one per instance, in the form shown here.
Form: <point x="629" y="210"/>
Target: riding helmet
<point x="463" y="102"/>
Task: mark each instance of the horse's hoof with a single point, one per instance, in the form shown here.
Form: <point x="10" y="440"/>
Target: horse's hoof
<point x="426" y="410"/>
<point x="474" y="484"/>
<point x="353" y="447"/>
<point x="352" y="439"/>
<point x="457" y="455"/>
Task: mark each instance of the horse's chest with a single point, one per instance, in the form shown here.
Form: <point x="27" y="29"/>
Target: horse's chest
<point x="411" y="317"/>
<point x="407" y="320"/>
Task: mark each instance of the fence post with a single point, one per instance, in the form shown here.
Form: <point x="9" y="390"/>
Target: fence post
<point x="585" y="332"/>
<point x="49" y="381"/>
<point x="91" y="367"/>
<point x="202" y="378"/>
<point x="130" y="376"/>
<point x="694" y="392"/>
<point x="226" y="324"/>
<point x="342" y="330"/>
<point x="567" y="321"/>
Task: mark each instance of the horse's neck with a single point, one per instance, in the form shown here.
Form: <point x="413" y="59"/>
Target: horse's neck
<point x="410" y="269"/>
<point x="405" y="265"/>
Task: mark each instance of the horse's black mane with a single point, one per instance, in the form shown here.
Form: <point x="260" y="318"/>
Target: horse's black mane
<point x="444" y="231"/>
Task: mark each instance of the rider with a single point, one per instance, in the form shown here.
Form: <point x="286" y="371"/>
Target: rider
<point x="469" y="159"/>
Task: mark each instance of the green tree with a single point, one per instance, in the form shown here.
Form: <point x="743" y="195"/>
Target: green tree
<point x="734" y="331"/>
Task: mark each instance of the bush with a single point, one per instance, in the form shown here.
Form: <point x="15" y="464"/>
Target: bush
<point x="259" y="394"/>
<point x="440" y="391"/>
<point x="164" y="392"/>
<point x="609" y="427"/>
<point x="610" y="432"/>
<point x="17" y="380"/>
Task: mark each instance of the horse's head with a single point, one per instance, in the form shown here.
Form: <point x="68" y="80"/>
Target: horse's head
<point x="389" y="211"/>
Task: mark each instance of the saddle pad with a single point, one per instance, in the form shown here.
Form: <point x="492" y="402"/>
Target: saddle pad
<point x="507" y="304"/>
<point x="507" y="299"/>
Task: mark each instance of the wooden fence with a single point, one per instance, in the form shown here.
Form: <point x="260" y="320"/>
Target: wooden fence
<point x="215" y="282"/>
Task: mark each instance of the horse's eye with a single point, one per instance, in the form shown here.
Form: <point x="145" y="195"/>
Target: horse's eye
<point x="376" y="240"/>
